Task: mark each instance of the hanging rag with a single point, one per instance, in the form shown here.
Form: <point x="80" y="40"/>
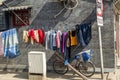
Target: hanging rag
<point x="1" y="45"/>
<point x="25" y="36"/>
<point x="67" y="53"/>
<point x="52" y="40"/>
<point x="36" y="36"/>
<point x="73" y="37"/>
<point x="84" y="34"/>
<point x="10" y="42"/>
<point x="41" y="35"/>
<point x="31" y="35"/>
<point x="47" y="34"/>
<point x="58" y="38"/>
<point x="63" y="41"/>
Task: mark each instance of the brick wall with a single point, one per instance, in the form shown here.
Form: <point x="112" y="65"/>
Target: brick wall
<point x="42" y="16"/>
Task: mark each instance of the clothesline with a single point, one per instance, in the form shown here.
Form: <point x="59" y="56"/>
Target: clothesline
<point x="60" y="41"/>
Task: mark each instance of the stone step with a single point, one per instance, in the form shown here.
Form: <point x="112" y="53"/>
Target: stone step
<point x="111" y="76"/>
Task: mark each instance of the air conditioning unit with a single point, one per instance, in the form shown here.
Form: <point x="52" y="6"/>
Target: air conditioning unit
<point x="37" y="62"/>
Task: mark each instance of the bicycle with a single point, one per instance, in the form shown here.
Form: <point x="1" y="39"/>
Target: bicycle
<point x="82" y="64"/>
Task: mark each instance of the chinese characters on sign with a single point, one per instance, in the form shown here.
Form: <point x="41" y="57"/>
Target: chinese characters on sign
<point x="99" y="12"/>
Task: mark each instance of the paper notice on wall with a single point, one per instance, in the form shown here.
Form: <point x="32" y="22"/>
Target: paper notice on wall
<point x="99" y="10"/>
<point x="100" y="21"/>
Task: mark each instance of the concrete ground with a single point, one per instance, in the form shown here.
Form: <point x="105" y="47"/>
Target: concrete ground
<point x="50" y="76"/>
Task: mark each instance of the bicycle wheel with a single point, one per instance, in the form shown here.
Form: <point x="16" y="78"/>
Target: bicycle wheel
<point x="59" y="67"/>
<point x="86" y="68"/>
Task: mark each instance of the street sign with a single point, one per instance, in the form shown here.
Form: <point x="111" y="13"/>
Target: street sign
<point x="100" y="21"/>
<point x="99" y="12"/>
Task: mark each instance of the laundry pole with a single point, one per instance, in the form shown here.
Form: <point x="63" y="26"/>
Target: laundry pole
<point x="101" y="53"/>
<point x="99" y="11"/>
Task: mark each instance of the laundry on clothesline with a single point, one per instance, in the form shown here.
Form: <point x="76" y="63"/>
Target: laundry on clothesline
<point x="10" y="43"/>
<point x="33" y="36"/>
<point x="84" y="34"/>
<point x="61" y="41"/>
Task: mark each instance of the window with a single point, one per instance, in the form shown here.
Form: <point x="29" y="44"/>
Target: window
<point x="24" y="15"/>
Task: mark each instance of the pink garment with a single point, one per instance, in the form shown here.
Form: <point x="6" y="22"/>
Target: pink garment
<point x="1" y="45"/>
<point x="58" y="36"/>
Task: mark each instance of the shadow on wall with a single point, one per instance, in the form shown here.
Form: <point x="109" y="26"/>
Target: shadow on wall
<point x="45" y="18"/>
<point x="91" y="18"/>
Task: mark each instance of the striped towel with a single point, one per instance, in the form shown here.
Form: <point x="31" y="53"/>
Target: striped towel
<point x="10" y="42"/>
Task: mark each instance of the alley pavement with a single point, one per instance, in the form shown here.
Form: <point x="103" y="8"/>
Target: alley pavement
<point x="51" y="75"/>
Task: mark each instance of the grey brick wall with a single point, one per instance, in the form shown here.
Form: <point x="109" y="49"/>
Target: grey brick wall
<point x="42" y="16"/>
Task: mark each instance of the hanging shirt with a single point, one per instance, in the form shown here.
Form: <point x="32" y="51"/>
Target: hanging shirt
<point x="84" y="34"/>
<point x="58" y="38"/>
<point x="52" y="41"/>
<point x="47" y="39"/>
<point x="73" y="38"/>
<point x="36" y="36"/>
<point x="25" y="36"/>
<point x="31" y="35"/>
<point x="63" y="41"/>
<point x="41" y="35"/>
<point x="67" y="53"/>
